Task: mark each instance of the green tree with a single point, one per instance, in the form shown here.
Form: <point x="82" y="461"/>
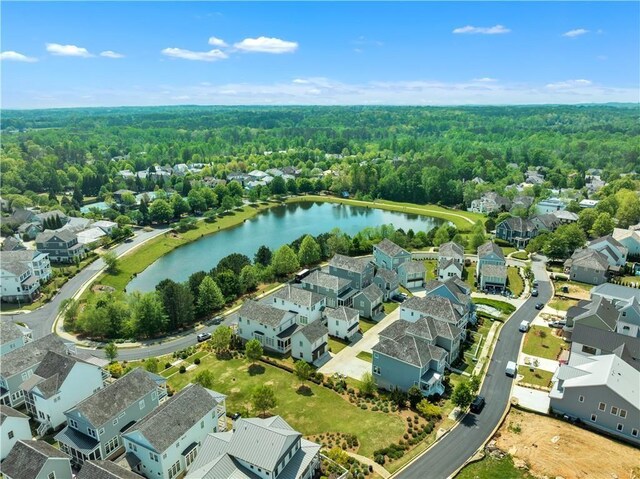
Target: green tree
<point x="152" y="365"/>
<point x="368" y="386"/>
<point x="302" y="370"/>
<point x="309" y="253"/>
<point x="111" y="260"/>
<point x="263" y="256"/>
<point x="221" y="339"/>
<point x="111" y="351"/>
<point x="205" y="378"/>
<point x="428" y="411"/>
<point x="586" y="218"/>
<point x="160" y="211"/>
<point x="278" y="186"/>
<point x="253" y="350"/>
<point x="263" y="399"/>
<point x="248" y="279"/>
<point x="284" y="261"/>
<point x="197" y="202"/>
<point x="628" y="213"/>
<point x="474" y="384"/>
<point x="227" y="203"/>
<point x="442" y="235"/>
<point x="603" y="225"/>
<point x="179" y="205"/>
<point x="178" y="302"/>
<point x="462" y="396"/>
<point x="148" y="314"/>
<point x="210" y="297"/>
<point x="414" y="395"/>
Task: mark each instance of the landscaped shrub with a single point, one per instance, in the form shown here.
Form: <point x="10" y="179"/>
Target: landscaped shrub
<point x="196" y="361"/>
<point x="167" y="365"/>
<point x="183" y="369"/>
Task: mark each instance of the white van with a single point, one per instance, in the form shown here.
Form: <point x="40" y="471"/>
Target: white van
<point x="524" y="326"/>
<point x="512" y="369"/>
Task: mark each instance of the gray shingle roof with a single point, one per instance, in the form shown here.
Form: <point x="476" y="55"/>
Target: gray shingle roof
<point x="430" y="328"/>
<point x="105" y="470"/>
<point x="390" y="248"/>
<point x="488" y="248"/>
<point x="262" y="313"/>
<point x="522" y="225"/>
<point x="30" y="354"/>
<point x="435" y="306"/>
<point x="9" y="331"/>
<point x="325" y="280"/>
<point x="27" y="458"/>
<point x="298" y="296"/>
<point x="451" y="249"/>
<point x="314" y="331"/>
<point x="608" y="342"/>
<point x="51" y="214"/>
<point x="599" y="313"/>
<point x="11" y="261"/>
<point x="107" y="403"/>
<point x="168" y="422"/>
<point x="64" y="235"/>
<point x="413" y="267"/>
<point x="589" y="258"/>
<point x="51" y="373"/>
<point x="341" y="313"/>
<point x="372" y="292"/>
<point x="409" y="350"/>
<point x="387" y="275"/>
<point x="615" y="291"/>
<point x="357" y="265"/>
<point x="494" y="270"/>
<point x="11" y="244"/>
<point x="6" y="411"/>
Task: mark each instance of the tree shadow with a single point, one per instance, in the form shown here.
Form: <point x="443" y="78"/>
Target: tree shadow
<point x="256" y="369"/>
<point x="304" y="390"/>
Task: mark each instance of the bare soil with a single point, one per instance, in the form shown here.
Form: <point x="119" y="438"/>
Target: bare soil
<point x="554" y="448"/>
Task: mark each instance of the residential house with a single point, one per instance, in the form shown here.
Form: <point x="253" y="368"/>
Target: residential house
<point x="614" y="251"/>
<point x="369" y="301"/>
<point x="387" y="280"/>
<point x="307" y="304"/>
<point x="106" y="226"/>
<point x="411" y="274"/>
<point x="521" y="202"/>
<point x="547" y="222"/>
<point x="257" y="449"/>
<point x="592" y="338"/>
<point x="180" y="169"/>
<point x="22" y="215"/>
<point x="13" y="336"/>
<point x="271" y="326"/>
<point x="90" y="236"/>
<point x="533" y="177"/>
<point x="105" y="470"/>
<point x="62" y="246"/>
<point x="58" y="383"/>
<point x="491" y="269"/>
<point x="358" y="270"/>
<point x="601" y="391"/>
<point x="517" y="231"/>
<point x="627" y="302"/>
<point x="35" y="460"/>
<point x="94" y="426"/>
<point x="438" y="306"/>
<point x="12" y="243"/>
<point x="166" y="442"/>
<point x="588" y="203"/>
<point x="597" y="312"/>
<point x="29" y="231"/>
<point x="489" y="203"/>
<point x="550" y="205"/>
<point x="76" y="225"/>
<point x="342" y="322"/>
<point x="456" y="291"/>
<point x="338" y="291"/>
<point x="628" y="238"/>
<point x="450" y="260"/>
<point x="565" y="217"/>
<point x="388" y="255"/>
<point x="42" y="218"/>
<point x="310" y="342"/>
<point x="412" y="354"/>
<point x="22" y="273"/>
<point x="588" y="266"/>
<point x="14" y="427"/>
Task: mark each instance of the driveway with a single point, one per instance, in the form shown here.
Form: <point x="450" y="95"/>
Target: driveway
<point x="532" y="399"/>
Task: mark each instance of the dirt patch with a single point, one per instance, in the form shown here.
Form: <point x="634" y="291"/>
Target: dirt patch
<point x="235" y="390"/>
<point x="555" y="448"/>
<point x="101" y="288"/>
<point x="173" y="235"/>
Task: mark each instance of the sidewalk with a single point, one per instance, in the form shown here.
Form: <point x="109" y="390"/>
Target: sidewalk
<point x="377" y="468"/>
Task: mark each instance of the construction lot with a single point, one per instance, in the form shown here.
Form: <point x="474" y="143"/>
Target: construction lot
<point x="553" y="448"/>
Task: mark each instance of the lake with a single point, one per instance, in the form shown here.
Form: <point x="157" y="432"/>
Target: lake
<point x="273" y="227"/>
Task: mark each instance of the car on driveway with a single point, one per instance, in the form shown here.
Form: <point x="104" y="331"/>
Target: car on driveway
<point x="557" y="324"/>
<point x="477" y="404"/>
<point x="539" y="306"/>
<point x="203" y="337"/>
<point x="400" y="297"/>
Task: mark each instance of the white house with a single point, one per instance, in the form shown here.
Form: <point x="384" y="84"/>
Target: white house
<point x="58" y="383"/>
<point x="342" y="322"/>
<point x="310" y="342"/>
<point x="271" y="326"/>
<point x="588" y="203"/>
<point x="14" y="427"/>
<point x="13" y="336"/>
<point x="307" y="304"/>
<point x="22" y="273"/>
<point x="450" y="260"/>
<point x="550" y="205"/>
<point x="35" y="460"/>
<point x="166" y="442"/>
<point x="106" y="226"/>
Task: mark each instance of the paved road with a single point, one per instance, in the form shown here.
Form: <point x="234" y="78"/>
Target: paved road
<point x="41" y="320"/>
<point x="453" y="450"/>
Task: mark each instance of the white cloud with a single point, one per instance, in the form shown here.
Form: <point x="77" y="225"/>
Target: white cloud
<point x="217" y="42"/>
<point x="484" y="80"/>
<point x="111" y="54"/>
<point x="266" y="45"/>
<point x="67" y="50"/>
<point x="16" y="57"/>
<point x="300" y="81"/>
<point x="575" y="33"/>
<point x="210" y="56"/>
<point x="569" y="84"/>
<point x="495" y="30"/>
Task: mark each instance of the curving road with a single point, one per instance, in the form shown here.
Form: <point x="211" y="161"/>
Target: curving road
<point x="455" y="448"/>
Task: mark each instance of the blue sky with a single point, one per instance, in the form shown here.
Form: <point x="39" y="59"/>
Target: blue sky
<point x="68" y="54"/>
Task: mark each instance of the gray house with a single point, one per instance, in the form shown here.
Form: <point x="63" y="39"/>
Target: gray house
<point x="458" y="292"/>
<point x="517" y="231"/>
<point x="35" y="460"/>
<point x="94" y="425"/>
<point x="337" y="290"/>
<point x="62" y="246"/>
<point x="546" y="223"/>
<point x="271" y="326"/>
<point x="491" y="269"/>
<point x="13" y="336"/>
<point x="310" y="343"/>
<point x="389" y="255"/>
<point x="601" y="391"/>
<point x="450" y="260"/>
<point x="588" y="266"/>
<point x="369" y="301"/>
<point x="411" y="274"/>
<point x="437" y="306"/>
<point x="387" y="280"/>
<point x="105" y="470"/>
<point x="357" y="270"/>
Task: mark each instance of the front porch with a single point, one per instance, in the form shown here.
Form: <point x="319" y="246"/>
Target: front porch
<point x="431" y="383"/>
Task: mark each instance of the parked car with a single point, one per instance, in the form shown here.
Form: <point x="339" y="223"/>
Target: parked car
<point x="217" y="320"/>
<point x="535" y="283"/>
<point x="539" y="306"/>
<point x="558" y="324"/>
<point x="534" y="292"/>
<point x="203" y="337"/>
<point x="400" y="297"/>
<point x="477" y="404"/>
<point x="524" y="326"/>
<point x="511" y="370"/>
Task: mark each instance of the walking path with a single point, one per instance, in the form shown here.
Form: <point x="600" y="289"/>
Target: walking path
<point x="532" y="399"/>
<point x="381" y="471"/>
<point x="547" y="364"/>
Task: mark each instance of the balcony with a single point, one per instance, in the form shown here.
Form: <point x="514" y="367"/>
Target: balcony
<point x="430" y="383"/>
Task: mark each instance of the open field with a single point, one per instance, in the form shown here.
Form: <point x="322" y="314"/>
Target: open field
<point x="556" y="448"/>
<point x="576" y="290"/>
<point x="542" y="342"/>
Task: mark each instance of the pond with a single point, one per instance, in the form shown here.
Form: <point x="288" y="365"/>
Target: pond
<point x="273" y="228"/>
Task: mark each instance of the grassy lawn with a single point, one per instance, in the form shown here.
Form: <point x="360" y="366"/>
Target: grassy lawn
<point x="537" y="377"/>
<point x="331" y="413"/>
<point x="515" y="281"/>
<point x="390" y="307"/>
<point x="505" y="308"/>
<point x="523" y="255"/>
<point x="365" y="356"/>
<point x="631" y="280"/>
<point x="366" y="325"/>
<point x="543" y="343"/>
<point x="336" y="345"/>
<point x="463" y="220"/>
<point x="490" y="468"/>
<point x="579" y="290"/>
<point x="507" y="250"/>
<point x="562" y="304"/>
<point x="469" y="276"/>
<point x="431" y="266"/>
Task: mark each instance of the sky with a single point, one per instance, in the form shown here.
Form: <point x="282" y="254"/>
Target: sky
<point x="76" y="54"/>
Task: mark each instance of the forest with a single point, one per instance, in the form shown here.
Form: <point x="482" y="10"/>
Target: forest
<point x="413" y="154"/>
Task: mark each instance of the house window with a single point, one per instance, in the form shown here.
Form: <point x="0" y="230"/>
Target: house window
<point x="619" y="427"/>
<point x="602" y="406"/>
<point x="10" y="434"/>
<point x="141" y="404"/>
<point x="173" y="470"/>
<point x="201" y="424"/>
<point x="73" y="424"/>
<point x="634" y="432"/>
<point x="581" y="398"/>
<point x="112" y="445"/>
<point x="614" y="410"/>
<point x="594" y="417"/>
<point x="623" y="413"/>
<point x="189" y="458"/>
<point x="376" y="370"/>
<point x="52" y="475"/>
<point x="115" y="421"/>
